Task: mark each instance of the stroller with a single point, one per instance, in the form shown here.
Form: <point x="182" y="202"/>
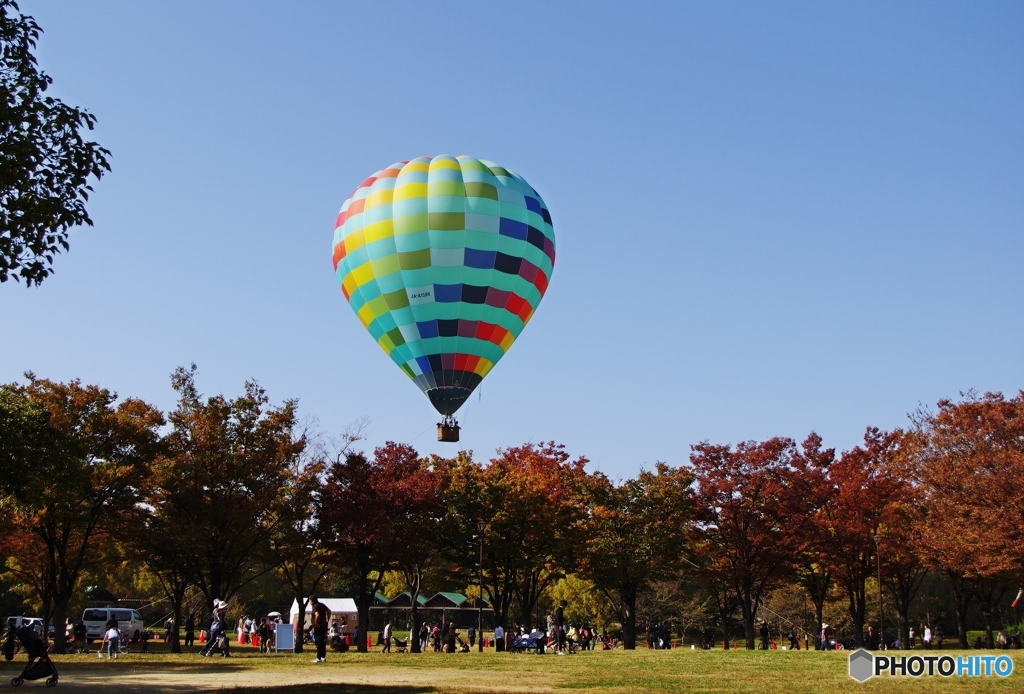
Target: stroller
<point x="400" y="645"/>
<point x="39" y="664"/>
<point x="523" y="644"/>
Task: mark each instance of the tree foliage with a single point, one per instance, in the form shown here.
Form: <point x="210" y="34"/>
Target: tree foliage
<point x="220" y="482"/>
<point x="635" y="535"/>
<point x="45" y="159"/>
<point x="753" y="505"/>
<point x="97" y="459"/>
<point x="367" y="510"/>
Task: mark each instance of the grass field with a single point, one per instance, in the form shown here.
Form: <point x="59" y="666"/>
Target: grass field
<point x="604" y="671"/>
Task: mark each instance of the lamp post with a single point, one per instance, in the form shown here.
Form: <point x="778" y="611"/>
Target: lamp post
<point x="480" y="599"/>
<point x="881" y="624"/>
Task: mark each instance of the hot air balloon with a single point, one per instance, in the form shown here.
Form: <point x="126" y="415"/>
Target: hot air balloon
<point x="444" y="260"/>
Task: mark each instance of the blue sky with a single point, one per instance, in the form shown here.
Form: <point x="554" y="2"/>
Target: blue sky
<point x="771" y="218"/>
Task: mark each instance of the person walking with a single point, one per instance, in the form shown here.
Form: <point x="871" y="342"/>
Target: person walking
<point x="926" y="638"/>
<point x="321" y="617"/>
<point x="190" y="630"/>
<point x="217" y="615"/>
<point x="471" y="635"/>
<point x="387" y="637"/>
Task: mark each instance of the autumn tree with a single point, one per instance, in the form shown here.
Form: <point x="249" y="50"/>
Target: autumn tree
<point x="753" y="505"/>
<point x="97" y="454"/>
<point x="634" y="536"/>
<point x="227" y="462"/>
<point x="370" y="510"/>
<point x="866" y="491"/>
<point x="970" y="457"/>
<point x="531" y="499"/>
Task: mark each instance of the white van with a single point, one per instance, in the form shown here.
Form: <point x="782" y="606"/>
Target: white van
<point x="128" y="621"/>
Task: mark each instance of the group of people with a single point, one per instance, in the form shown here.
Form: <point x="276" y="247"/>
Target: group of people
<point x="1011" y="640"/>
<point x="659" y="636"/>
<point x="259" y="631"/>
<point x="443" y="637"/>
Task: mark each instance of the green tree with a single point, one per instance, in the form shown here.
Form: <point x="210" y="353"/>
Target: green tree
<point x="46" y="160"/>
<point x="220" y="485"/>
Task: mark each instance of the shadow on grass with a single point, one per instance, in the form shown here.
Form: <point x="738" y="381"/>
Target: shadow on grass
<point x="333" y="689"/>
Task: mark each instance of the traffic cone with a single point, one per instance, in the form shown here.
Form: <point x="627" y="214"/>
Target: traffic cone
<point x="369" y="643"/>
<point x="736" y="646"/>
<point x="202" y="636"/>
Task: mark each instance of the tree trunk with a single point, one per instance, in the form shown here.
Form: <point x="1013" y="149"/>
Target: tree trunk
<point x="627" y="615"/>
<point x="60" y="616"/>
<point x="414" y="610"/>
<point x="301" y="598"/>
<point x="748" y="624"/>
<point x="301" y="621"/>
<point x="962" y="594"/>
<point x="990" y="592"/>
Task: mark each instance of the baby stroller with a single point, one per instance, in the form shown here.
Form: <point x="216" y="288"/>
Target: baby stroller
<point x="399" y="644"/>
<point x="39" y="664"/>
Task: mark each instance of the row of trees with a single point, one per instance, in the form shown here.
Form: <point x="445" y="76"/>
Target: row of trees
<point x="222" y="493"/>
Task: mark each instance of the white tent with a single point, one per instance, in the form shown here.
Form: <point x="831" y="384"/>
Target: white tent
<point x="342" y="610"/>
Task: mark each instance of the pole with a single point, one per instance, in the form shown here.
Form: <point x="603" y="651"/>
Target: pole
<point x="480" y="599"/>
<point x="881" y="624"/>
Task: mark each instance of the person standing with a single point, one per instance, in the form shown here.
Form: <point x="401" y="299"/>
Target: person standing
<point x="321" y="618"/>
<point x="926" y="639"/>
<point x="388" y="628"/>
<point x="190" y="630"/>
<point x="499" y="638"/>
<point x="560" y="627"/>
<point x="471" y="635"/>
<point x="910" y="638"/>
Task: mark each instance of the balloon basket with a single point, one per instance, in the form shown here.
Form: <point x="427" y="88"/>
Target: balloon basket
<point x="448" y="430"/>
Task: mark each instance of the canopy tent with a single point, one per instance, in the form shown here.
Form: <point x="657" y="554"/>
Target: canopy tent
<point x="342" y="610"/>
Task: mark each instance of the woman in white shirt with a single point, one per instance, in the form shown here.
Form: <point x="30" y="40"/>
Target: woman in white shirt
<point x="112" y="640"/>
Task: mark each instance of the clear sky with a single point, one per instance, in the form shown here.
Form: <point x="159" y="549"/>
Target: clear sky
<point x="771" y="218"/>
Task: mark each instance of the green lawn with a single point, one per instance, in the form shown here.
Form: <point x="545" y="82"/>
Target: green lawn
<point x="606" y="671"/>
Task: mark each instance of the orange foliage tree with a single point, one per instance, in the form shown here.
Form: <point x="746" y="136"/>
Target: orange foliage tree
<point x="98" y="456"/>
<point x="532" y="499"/>
<point x="970" y="457"/>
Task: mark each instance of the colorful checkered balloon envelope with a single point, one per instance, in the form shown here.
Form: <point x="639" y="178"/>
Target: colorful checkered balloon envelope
<point x="444" y="260"/>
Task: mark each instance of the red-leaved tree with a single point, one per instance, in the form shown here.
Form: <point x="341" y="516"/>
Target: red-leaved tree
<point x="370" y="508"/>
<point x="753" y="506"/>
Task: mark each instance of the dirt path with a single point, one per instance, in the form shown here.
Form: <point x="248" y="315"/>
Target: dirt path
<point x="165" y="679"/>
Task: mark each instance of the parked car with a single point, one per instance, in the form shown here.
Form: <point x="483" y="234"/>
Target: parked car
<point x="37" y="624"/>
<point x="128" y="621"/>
